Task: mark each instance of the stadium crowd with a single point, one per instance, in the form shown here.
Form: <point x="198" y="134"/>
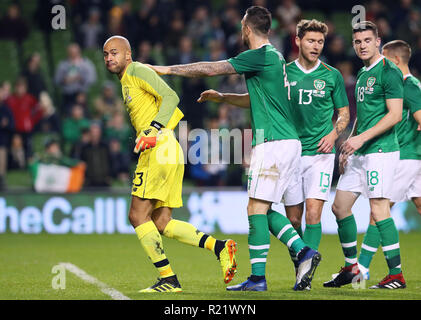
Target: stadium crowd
<point x="92" y="126"/>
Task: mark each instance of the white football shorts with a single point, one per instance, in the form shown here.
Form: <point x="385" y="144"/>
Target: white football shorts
<point x="372" y="175"/>
<point x="312" y="180"/>
<point x="407" y="183"/>
<point x="272" y="166"/>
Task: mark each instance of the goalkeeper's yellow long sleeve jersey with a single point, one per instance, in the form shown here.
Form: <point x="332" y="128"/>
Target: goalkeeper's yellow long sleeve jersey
<point x="148" y="98"/>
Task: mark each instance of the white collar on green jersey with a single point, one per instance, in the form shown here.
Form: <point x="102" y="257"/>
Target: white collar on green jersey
<point x="305" y="70"/>
<point x="375" y="63"/>
<point x="407" y="75"/>
<point x="265" y="44"/>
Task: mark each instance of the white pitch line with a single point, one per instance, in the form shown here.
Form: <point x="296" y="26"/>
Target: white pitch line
<point x="113" y="293"/>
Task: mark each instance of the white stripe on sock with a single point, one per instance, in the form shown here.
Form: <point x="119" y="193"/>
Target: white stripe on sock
<point x="256" y="260"/>
<point x="291" y="241"/>
<point x="262" y="247"/>
<point x="349" y="244"/>
<point x="351" y="260"/>
<point x="391" y="247"/>
<point x="284" y="229"/>
<point x="368" y="248"/>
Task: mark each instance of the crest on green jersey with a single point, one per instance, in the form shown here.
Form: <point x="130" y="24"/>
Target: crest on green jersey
<point x="319" y="84"/>
<point x="371" y="81"/>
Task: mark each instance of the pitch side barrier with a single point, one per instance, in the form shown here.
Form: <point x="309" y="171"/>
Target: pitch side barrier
<point x="105" y="212"/>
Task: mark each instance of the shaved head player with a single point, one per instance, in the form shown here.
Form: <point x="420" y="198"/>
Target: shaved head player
<point x="158" y="178"/>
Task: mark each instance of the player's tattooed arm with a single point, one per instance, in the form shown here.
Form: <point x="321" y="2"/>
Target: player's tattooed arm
<point x="327" y="143"/>
<point x="342" y="121"/>
<point x="197" y="69"/>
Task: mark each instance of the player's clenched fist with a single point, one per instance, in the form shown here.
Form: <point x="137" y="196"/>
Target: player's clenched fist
<point x="147" y="138"/>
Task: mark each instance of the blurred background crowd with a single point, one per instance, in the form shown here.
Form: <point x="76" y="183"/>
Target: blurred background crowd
<point x="58" y="104"/>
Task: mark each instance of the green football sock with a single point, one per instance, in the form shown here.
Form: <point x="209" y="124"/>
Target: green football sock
<point x="299" y="231"/>
<point x="369" y="246"/>
<point x="259" y="243"/>
<point x="281" y="227"/>
<point x="347" y="231"/>
<point x="390" y="244"/>
<point x="313" y="235"/>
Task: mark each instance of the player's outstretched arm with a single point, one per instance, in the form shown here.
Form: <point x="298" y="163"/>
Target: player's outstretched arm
<point x="239" y="100"/>
<point x="327" y="143"/>
<point x="392" y="117"/>
<point x="197" y="69"/>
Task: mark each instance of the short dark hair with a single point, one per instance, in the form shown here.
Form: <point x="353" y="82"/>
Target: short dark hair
<point x="400" y="48"/>
<point x="259" y="19"/>
<point x="311" y="25"/>
<point x="365" y="25"/>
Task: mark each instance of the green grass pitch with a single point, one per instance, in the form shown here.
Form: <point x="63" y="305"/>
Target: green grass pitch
<point x="26" y="263"/>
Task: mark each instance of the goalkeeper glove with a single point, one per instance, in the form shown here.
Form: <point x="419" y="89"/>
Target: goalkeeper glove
<point x="147" y="138"/>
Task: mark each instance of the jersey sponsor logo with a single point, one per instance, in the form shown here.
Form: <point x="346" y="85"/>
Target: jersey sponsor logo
<point x="319" y="84"/>
<point x="371" y="81"/>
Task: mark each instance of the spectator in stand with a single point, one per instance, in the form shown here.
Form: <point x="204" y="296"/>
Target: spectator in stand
<point x="415" y="62"/>
<point x="73" y="126"/>
<point x="91" y="32"/>
<point x="335" y="51"/>
<point x="17" y="157"/>
<point x="410" y="29"/>
<point x="26" y="113"/>
<point x="7" y="127"/>
<point x="144" y="53"/>
<point x="385" y="32"/>
<point x="199" y="26"/>
<point x="238" y="117"/>
<point x="230" y="17"/>
<point x="107" y="103"/>
<point x="33" y="76"/>
<point x="53" y="154"/>
<point x="12" y="25"/>
<point x="119" y="129"/>
<point x="375" y="9"/>
<point x="290" y="47"/>
<point x="85" y="138"/>
<point x="401" y="13"/>
<point x="74" y="75"/>
<point x="115" y="21"/>
<point x="215" y="32"/>
<point x="205" y="173"/>
<point x="96" y="155"/>
<point x="216" y="51"/>
<point x="148" y="21"/>
<point x="119" y="161"/>
<point x="287" y="12"/>
<point x="174" y="34"/>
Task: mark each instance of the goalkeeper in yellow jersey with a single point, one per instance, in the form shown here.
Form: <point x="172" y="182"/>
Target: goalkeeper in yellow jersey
<point x="157" y="183"/>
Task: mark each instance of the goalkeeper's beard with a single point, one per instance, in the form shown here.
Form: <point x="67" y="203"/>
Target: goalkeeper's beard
<point x="118" y="69"/>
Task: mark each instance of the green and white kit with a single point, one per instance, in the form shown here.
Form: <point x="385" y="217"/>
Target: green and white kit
<point x="370" y="170"/>
<point x="276" y="147"/>
<point x="407" y="184"/>
<point x="315" y="94"/>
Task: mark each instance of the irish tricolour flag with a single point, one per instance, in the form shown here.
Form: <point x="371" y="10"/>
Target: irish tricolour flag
<point x="56" y="178"/>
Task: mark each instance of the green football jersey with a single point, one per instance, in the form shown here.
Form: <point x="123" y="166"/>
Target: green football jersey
<point x="408" y="136"/>
<point x="315" y="94"/>
<point x="268" y="87"/>
<point x="376" y="83"/>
